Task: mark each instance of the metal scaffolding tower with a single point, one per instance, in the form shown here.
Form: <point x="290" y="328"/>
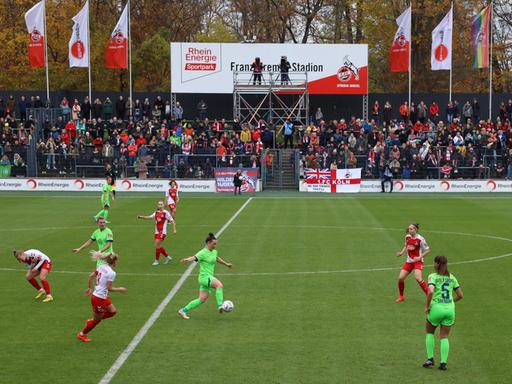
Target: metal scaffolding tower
<point x="271" y="98"/>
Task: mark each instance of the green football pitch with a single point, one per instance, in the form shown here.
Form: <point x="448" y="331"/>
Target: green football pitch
<point x="313" y="283"/>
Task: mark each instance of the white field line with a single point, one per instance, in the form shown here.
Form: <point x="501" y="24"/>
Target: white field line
<point x="158" y="311"/>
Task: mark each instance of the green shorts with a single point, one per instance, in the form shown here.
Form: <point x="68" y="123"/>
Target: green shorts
<point x="105" y="203"/>
<point x="205" y="283"/>
<point x="441" y="315"/>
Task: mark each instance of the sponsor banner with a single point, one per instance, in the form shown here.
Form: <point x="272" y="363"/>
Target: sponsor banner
<point x="438" y="186"/>
<point x="209" y="67"/>
<point x="224" y="179"/>
<point x="95" y="185"/>
<point x="441" y="186"/>
<point x="332" y="181"/>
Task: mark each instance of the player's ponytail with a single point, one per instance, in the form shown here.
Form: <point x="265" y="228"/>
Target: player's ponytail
<point x="441" y="265"/>
<point x="210" y="237"/>
<point x="416" y="225"/>
<point x="109" y="258"/>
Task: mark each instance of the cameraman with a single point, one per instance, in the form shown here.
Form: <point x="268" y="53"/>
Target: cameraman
<point x="284" y="67"/>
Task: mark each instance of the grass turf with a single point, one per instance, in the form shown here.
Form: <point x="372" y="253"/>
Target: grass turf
<point x="338" y="325"/>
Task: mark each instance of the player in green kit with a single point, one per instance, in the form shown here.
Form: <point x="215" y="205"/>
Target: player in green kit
<point x="440" y="309"/>
<point x="103" y="236"/>
<point x="107" y="196"/>
<point x="207" y="259"/>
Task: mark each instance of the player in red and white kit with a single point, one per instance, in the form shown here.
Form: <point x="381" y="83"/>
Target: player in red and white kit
<point x="40" y="265"/>
<point x="172" y="198"/>
<point x="102" y="307"/>
<point x="161" y="217"/>
<point x="417" y="248"/>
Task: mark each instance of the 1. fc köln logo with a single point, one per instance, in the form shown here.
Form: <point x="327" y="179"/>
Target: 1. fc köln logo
<point x="347" y="71"/>
<point x="35" y="36"/>
<point x="118" y="37"/>
<point x="78" y="49"/>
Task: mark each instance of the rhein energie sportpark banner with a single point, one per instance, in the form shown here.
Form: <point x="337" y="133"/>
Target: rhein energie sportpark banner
<point x="224" y="178"/>
<point x="208" y="67"/>
<point x="333" y="181"/>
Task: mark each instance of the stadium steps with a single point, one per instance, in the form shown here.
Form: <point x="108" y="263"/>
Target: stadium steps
<point x="283" y="172"/>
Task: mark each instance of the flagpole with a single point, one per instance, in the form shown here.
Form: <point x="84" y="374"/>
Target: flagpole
<point x="89" y="55"/>
<point x="410" y="61"/>
<point x="490" y="61"/>
<point x="451" y="61"/>
<point x="46" y="54"/>
<point x="130" y="55"/>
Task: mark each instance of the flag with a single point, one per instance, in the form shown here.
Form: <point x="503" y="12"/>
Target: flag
<point x="79" y="41"/>
<point x="441" y="57"/>
<point x="34" y="18"/>
<point x="399" y="55"/>
<point x="332" y="180"/>
<point x="116" y="54"/>
<point x="480" y="38"/>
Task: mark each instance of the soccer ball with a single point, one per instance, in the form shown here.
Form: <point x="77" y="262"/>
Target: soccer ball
<point x="228" y="306"/>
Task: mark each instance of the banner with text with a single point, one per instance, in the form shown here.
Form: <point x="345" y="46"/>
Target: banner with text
<point x="96" y="185"/>
<point x="209" y="67"/>
<point x="333" y="181"/>
<point x="224" y="179"/>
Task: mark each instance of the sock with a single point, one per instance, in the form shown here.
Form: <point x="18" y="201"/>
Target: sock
<point x="430" y="342"/>
<point x="163" y="251"/>
<point x="193" y="304"/>
<point x="445" y="349"/>
<point x="401" y="287"/>
<point x="423" y="286"/>
<point x="108" y="315"/>
<point x="100" y="213"/>
<point x="89" y="326"/>
<point x="46" y="286"/>
<point x="105" y="214"/>
<point x="219" y="295"/>
<point x="35" y="284"/>
<point x="157" y="253"/>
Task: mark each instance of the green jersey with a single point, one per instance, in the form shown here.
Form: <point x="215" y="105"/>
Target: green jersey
<point x="207" y="260"/>
<point x="443" y="289"/>
<point x="105" y="195"/>
<point x="102" y="238"/>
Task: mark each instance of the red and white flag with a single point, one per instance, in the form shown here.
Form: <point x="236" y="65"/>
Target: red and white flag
<point x="116" y="54"/>
<point x="441" y="57"/>
<point x="34" y="18"/>
<point x="79" y="41"/>
<point x="332" y="180"/>
<point x="399" y="54"/>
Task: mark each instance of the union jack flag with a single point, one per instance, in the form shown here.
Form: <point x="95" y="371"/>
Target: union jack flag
<point x="318" y="173"/>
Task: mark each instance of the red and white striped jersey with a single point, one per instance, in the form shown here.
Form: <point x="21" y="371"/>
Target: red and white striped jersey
<point x="35" y="258"/>
<point x="161" y="220"/>
<point x="415" y="247"/>
<point x="171" y="196"/>
<point x="104" y="274"/>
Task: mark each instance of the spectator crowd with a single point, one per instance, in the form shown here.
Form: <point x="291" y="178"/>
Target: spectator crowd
<point x="156" y="139"/>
